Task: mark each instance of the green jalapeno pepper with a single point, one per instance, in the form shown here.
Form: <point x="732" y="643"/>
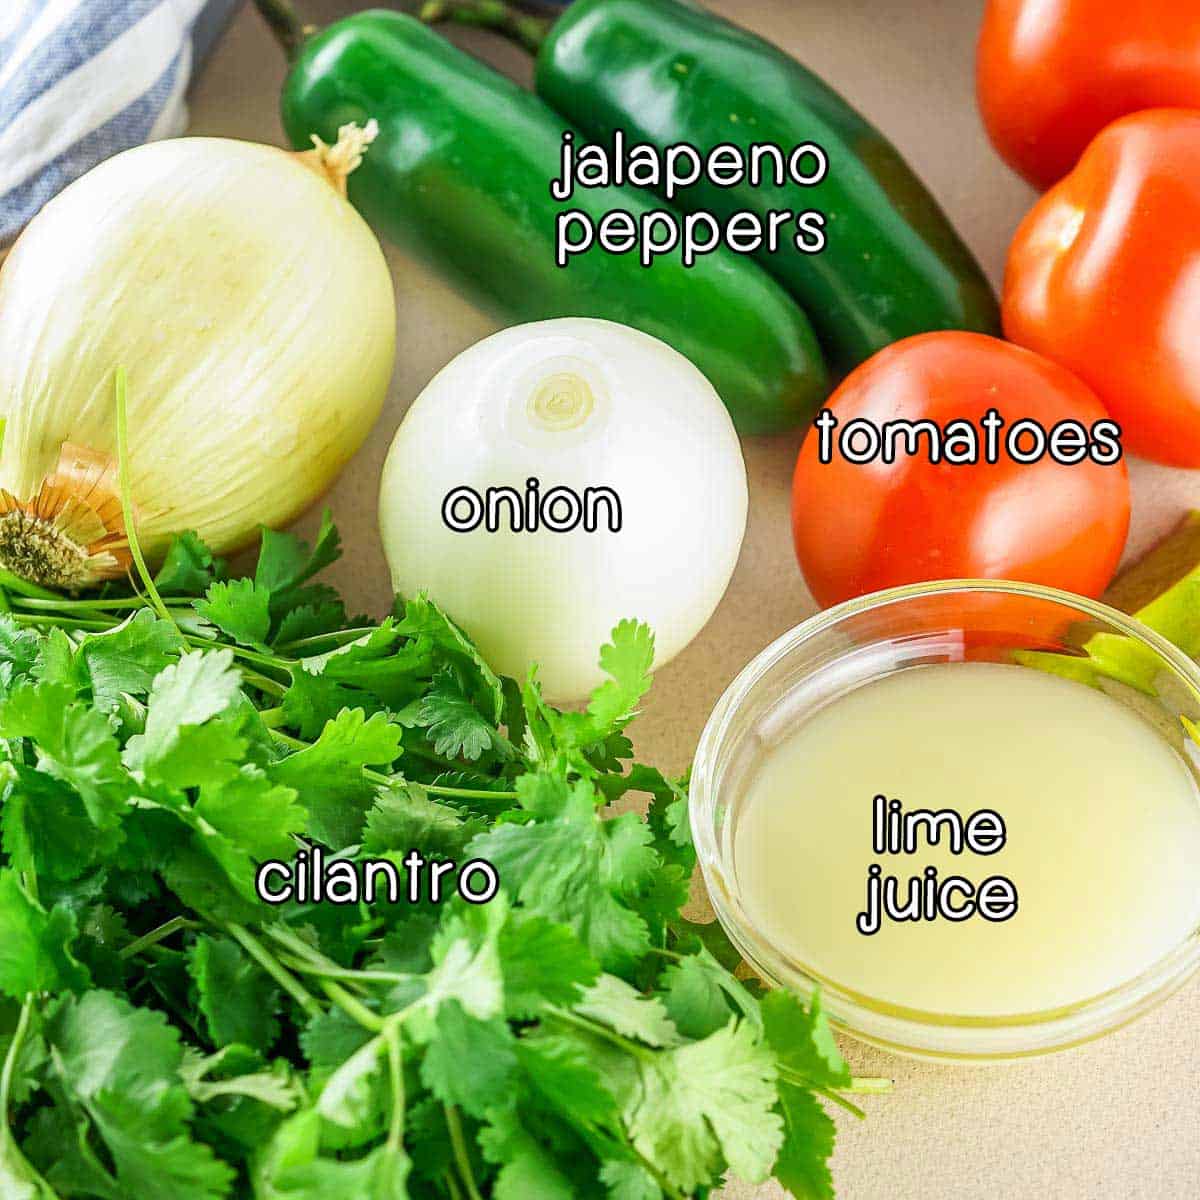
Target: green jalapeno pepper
<point x="666" y="72"/>
<point x="460" y="173"/>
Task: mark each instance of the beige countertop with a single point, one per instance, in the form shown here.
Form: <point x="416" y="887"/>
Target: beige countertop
<point x="1118" y="1118"/>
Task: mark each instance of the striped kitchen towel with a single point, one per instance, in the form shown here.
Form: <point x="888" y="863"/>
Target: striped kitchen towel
<point x="81" y="80"/>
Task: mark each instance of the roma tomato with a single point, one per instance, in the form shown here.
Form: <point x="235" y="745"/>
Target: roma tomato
<point x="1104" y="277"/>
<point x="1050" y="74"/>
<point x="860" y="527"/>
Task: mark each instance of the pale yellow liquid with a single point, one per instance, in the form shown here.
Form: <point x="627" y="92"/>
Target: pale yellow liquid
<point x="1103" y="839"/>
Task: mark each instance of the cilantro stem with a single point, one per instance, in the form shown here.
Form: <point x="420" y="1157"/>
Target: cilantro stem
<point x="307" y="959"/>
<point x="9" y="1150"/>
<point x="665" y="1185"/>
<point x="272" y="718"/>
<point x="264" y="684"/>
<point x="345" y="974"/>
<point x="311" y="961"/>
<point x="157" y="935"/>
<point x="385" y="780"/>
<point x="354" y="1008"/>
<point x="828" y="1093"/>
<point x="338" y="637"/>
<point x="10" y="1061"/>
<point x="285" y="739"/>
<point x="869" y="1086"/>
<point x="451" y="1185"/>
<point x="461" y="1158"/>
<point x="22" y="587"/>
<point x="270" y="964"/>
<point x="116" y="603"/>
<point x="438" y="789"/>
<point x="563" y="1017"/>
<point x="135" y="549"/>
<point x="395" y="1139"/>
<point x="263" y="660"/>
<point x="297" y="945"/>
<point x="23" y="618"/>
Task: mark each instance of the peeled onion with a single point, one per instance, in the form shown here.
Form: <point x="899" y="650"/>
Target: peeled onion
<point x="253" y="310"/>
<point x="573" y="403"/>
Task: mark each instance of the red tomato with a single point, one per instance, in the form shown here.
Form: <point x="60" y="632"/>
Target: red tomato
<point x="1104" y="277"/>
<point x="860" y="528"/>
<point x="1051" y="74"/>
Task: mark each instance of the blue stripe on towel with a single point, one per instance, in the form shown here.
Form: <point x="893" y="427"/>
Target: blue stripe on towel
<point x="64" y="49"/>
<point x="76" y="41"/>
<point x="128" y="128"/>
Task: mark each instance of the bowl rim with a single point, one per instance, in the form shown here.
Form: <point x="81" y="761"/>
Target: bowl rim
<point x="938" y="1036"/>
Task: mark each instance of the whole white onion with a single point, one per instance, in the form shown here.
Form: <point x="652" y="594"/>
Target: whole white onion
<point x="253" y="310"/>
<point x="581" y="404"/>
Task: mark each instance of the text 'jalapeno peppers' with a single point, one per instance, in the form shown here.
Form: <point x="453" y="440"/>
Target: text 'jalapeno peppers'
<point x="668" y="73"/>
<point x="460" y="174"/>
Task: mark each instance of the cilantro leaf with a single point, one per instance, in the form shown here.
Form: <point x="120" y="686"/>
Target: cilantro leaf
<point x="44" y="826"/>
<point x="803" y="1163"/>
<point x="74" y="743"/>
<point x="572" y="868"/>
<point x="121" y="1066"/>
<point x="803" y="1040"/>
<point x="455" y="725"/>
<point x="35" y="945"/>
<point x="432" y="630"/>
<point x="613" y="1002"/>
<point x="241" y="609"/>
<point x="331" y="1038"/>
<point x="328" y="775"/>
<point x="627" y="660"/>
<point x="527" y="1167"/>
<point x="125" y="660"/>
<point x="468" y="1062"/>
<point x="629" y="1181"/>
<point x="808" y="1057"/>
<point x="18" y="648"/>
<point x="58" y="661"/>
<point x="291" y="1168"/>
<point x="277" y="1088"/>
<point x="286" y="561"/>
<point x="543" y="964"/>
<point x="348" y="1096"/>
<point x="467" y="969"/>
<point x="562" y="1075"/>
<point x="259" y="816"/>
<point x="188" y="568"/>
<point x="310" y="620"/>
<point x="701" y="995"/>
<point x="705" y="1103"/>
<point x="667" y="815"/>
<point x="177" y="746"/>
<point x="404" y="817"/>
<point x="238" y="1000"/>
<point x="312" y="701"/>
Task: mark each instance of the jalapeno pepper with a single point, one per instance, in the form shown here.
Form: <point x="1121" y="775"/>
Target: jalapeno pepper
<point x="667" y="72"/>
<point x="460" y="173"/>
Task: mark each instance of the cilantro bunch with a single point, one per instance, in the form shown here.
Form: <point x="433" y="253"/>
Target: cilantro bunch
<point x="167" y="1035"/>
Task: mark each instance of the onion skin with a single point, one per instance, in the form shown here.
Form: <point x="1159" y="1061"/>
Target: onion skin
<point x="252" y="308"/>
<point x="643" y="421"/>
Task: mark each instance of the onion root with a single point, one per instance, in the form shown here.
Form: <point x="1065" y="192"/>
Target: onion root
<point x="70" y="534"/>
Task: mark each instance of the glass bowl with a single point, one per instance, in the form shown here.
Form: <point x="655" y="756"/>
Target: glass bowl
<point x="865" y="639"/>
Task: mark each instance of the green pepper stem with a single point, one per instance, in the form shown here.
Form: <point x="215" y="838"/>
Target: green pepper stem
<point x="286" y="24"/>
<point x="526" y="29"/>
